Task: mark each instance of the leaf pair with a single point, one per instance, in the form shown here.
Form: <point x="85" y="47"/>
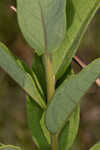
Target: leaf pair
<point x="43" y="24"/>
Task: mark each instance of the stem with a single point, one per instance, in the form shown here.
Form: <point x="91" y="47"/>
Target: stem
<point x="50" y="80"/>
<point x="54" y="142"/>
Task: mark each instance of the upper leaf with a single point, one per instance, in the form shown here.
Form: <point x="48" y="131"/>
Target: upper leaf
<point x="68" y="95"/>
<point x="96" y="147"/>
<point x="79" y="14"/>
<point x="42" y="22"/>
<point x="23" y="78"/>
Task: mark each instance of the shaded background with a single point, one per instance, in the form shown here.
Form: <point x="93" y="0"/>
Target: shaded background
<point x="13" y="121"/>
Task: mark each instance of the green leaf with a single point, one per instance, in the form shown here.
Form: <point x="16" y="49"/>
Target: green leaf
<point x="38" y="68"/>
<point x="9" y="147"/>
<point x="79" y="14"/>
<point x="34" y="76"/>
<point x="68" y="95"/>
<point x="66" y="75"/>
<point x="44" y="129"/>
<point x="9" y="63"/>
<point x="34" y="115"/>
<point x="42" y="22"/>
<point x="96" y="146"/>
<point x="70" y="130"/>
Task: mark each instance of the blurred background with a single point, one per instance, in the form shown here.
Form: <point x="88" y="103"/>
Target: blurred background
<point x="13" y="120"/>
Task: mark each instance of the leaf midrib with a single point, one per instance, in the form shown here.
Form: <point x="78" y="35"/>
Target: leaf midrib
<point x="44" y="27"/>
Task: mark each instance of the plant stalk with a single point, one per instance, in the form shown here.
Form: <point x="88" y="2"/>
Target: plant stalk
<point x="50" y="81"/>
<point x="50" y="78"/>
<point x="54" y="142"/>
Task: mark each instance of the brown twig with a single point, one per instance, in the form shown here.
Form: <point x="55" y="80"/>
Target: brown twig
<point x="82" y="64"/>
<point x="79" y="62"/>
<point x="13" y="8"/>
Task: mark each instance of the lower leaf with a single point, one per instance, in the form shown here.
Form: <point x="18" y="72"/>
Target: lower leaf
<point x="69" y="132"/>
<point x="45" y="130"/>
<point x="34" y="115"/>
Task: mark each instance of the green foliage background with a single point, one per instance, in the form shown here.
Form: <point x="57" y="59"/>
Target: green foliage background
<point x="13" y="121"/>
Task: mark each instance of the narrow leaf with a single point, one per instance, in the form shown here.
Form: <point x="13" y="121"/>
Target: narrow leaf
<point x="42" y="22"/>
<point x="34" y="77"/>
<point x="24" y="79"/>
<point x="96" y="147"/>
<point x="44" y="129"/>
<point x="38" y="68"/>
<point x="34" y="115"/>
<point x="79" y="14"/>
<point x="68" y="95"/>
<point x="70" y="130"/>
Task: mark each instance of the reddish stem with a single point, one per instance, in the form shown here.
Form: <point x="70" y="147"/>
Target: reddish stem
<point x="13" y="8"/>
